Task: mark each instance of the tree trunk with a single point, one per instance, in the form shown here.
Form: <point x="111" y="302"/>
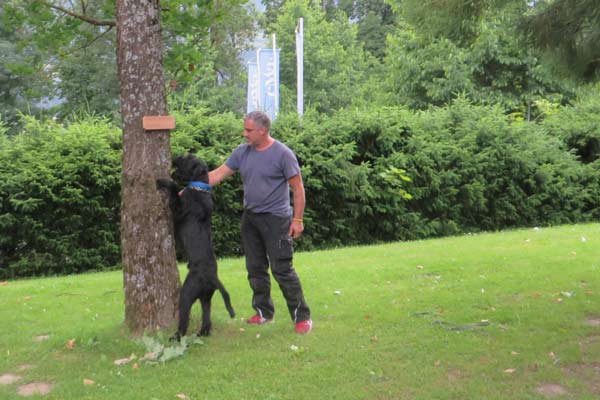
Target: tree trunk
<point x="150" y="275"/>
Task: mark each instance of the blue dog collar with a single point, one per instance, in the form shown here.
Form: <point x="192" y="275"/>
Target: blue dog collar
<point x="200" y="186"/>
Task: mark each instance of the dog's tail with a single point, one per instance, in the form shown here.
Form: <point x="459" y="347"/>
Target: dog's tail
<point x="226" y="298"/>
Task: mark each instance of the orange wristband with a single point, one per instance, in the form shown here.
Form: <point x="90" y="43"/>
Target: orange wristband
<point x="298" y="220"/>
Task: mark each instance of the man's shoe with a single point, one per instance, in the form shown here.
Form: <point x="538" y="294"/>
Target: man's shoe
<point x="304" y="326"/>
<point x="258" y="320"/>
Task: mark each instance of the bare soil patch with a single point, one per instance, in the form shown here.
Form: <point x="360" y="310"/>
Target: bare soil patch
<point x="454" y="375"/>
<point x="551" y="390"/>
<point x="9" y="379"/>
<point x="34" y="388"/>
<point x="589" y="374"/>
<point x="593" y="321"/>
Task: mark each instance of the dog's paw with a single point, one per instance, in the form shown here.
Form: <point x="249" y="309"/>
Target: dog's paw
<point x="175" y="338"/>
<point x="205" y="331"/>
<point x="163" y="183"/>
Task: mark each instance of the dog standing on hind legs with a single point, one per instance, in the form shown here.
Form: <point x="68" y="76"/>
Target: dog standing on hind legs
<point x="192" y="207"/>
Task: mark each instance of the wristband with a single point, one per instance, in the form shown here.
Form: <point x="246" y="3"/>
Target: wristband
<point x="297" y="220"/>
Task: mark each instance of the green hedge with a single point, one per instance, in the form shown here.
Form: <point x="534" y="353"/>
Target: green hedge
<point x="59" y="198"/>
<point x="472" y="168"/>
<point x="468" y="168"/>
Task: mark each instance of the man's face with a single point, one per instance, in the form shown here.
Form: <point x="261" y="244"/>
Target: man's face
<point x="253" y="133"/>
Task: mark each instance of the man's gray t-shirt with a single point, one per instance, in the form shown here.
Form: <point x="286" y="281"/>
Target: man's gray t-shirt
<point x="265" y="175"/>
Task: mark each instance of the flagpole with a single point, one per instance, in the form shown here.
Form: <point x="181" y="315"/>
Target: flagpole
<point x="258" y="78"/>
<point x="300" y="66"/>
<point x="275" y="77"/>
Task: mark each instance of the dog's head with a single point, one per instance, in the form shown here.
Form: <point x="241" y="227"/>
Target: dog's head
<point x="190" y="169"/>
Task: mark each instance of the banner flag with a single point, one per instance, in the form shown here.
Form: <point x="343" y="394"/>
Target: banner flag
<point x="263" y="83"/>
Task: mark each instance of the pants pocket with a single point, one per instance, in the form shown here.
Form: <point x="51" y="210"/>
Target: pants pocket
<point x="286" y="248"/>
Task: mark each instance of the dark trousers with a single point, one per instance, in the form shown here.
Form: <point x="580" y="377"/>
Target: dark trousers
<point x="265" y="239"/>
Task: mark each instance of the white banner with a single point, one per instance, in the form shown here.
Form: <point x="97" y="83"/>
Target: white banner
<point x="263" y="83"/>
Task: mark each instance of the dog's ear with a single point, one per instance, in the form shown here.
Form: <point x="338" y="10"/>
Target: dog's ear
<point x="177" y="161"/>
<point x="200" y="172"/>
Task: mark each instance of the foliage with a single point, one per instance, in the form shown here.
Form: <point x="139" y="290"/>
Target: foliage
<point x="570" y="28"/>
<point x="22" y="83"/>
<point x="370" y="176"/>
<point x="423" y="73"/>
<point x="457" y="20"/>
<point x="157" y="352"/>
<point x="579" y="125"/>
<point x="87" y="79"/>
<point x="567" y="28"/>
<point x="495" y="67"/>
<point x="470" y="169"/>
<point x="473" y="169"/>
<point x="59" y="198"/>
<point x="202" y="41"/>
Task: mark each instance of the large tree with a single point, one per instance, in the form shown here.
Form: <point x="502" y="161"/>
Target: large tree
<point x="150" y="275"/>
<point x="198" y="46"/>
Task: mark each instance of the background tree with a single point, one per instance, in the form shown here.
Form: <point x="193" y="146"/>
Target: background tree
<point x="22" y="81"/>
<point x="203" y="62"/>
<point x="202" y="42"/>
<point x="479" y="56"/>
<point x="571" y="30"/>
<point x="335" y="66"/>
<point x="87" y="78"/>
<point x="567" y="28"/>
<point x="375" y="20"/>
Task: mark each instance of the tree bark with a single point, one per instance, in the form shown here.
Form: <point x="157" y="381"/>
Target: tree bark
<point x="150" y="276"/>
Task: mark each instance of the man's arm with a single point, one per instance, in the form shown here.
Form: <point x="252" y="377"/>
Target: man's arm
<point x="217" y="175"/>
<point x="297" y="227"/>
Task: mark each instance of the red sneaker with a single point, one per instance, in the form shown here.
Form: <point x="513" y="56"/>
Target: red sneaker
<point x="258" y="320"/>
<point x="304" y="326"/>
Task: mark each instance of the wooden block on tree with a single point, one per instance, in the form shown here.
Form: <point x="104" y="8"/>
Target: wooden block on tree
<point x="158" y="123"/>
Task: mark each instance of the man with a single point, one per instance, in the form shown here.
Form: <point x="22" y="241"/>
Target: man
<point x="269" y="169"/>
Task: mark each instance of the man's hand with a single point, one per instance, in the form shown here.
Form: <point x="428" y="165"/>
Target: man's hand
<point x="217" y="175"/>
<point x="296" y="229"/>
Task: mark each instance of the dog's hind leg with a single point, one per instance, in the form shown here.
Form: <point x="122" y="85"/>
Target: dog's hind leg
<point x="187" y="297"/>
<point x="205" y="300"/>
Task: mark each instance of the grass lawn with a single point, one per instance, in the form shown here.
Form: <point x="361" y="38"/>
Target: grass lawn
<point x="510" y="315"/>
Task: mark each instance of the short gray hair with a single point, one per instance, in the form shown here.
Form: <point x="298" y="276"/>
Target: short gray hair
<point x="259" y="118"/>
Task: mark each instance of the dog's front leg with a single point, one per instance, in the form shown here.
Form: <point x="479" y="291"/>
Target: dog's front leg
<point x="167" y="184"/>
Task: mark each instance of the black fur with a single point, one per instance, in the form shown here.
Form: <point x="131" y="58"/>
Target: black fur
<point x="192" y="210"/>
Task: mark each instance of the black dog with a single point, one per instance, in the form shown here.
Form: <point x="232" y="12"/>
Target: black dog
<point x="192" y="207"/>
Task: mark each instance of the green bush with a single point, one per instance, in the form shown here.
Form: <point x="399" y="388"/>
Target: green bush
<point x="474" y="169"/>
<point x="467" y="168"/>
<point x="579" y="125"/>
<point x="59" y="198"/>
